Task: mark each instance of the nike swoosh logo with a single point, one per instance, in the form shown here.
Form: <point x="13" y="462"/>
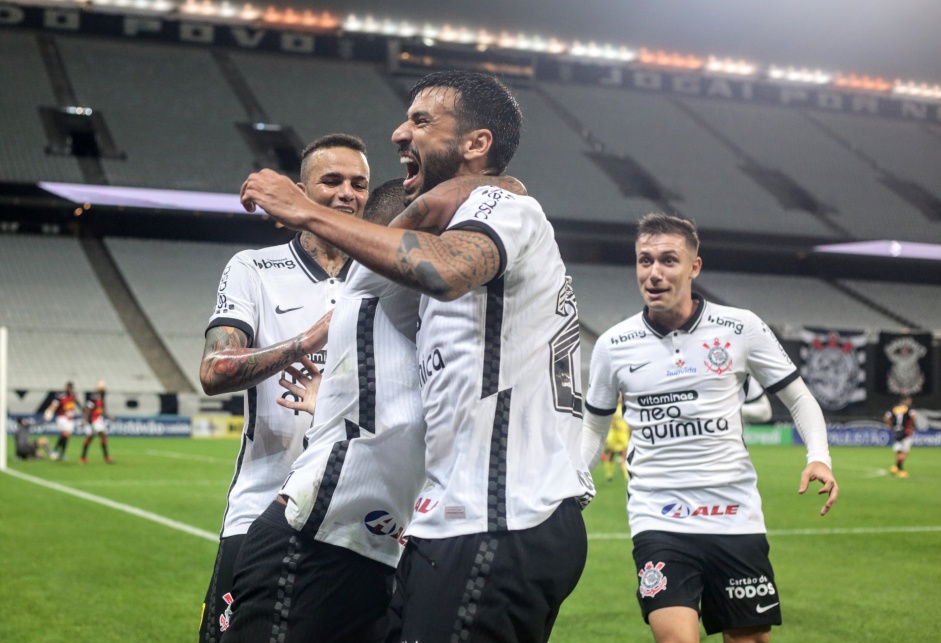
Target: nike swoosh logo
<point x="762" y="609"/>
<point x="287" y="310"/>
<point x="637" y="367"/>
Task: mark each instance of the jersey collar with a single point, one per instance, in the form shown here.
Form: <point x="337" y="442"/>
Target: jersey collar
<point x="313" y="268"/>
<point x="662" y="331"/>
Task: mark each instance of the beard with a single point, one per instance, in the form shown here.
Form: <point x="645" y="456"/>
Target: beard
<point x="437" y="167"/>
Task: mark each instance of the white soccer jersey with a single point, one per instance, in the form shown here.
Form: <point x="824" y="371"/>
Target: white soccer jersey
<point x="271" y="295"/>
<point x="500" y="371"/>
<point x="356" y="483"/>
<point x="683" y="392"/>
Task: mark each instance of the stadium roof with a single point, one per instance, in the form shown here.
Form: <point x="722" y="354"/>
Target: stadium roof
<point x="890" y="38"/>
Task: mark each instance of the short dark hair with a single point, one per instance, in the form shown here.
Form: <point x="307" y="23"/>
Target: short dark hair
<point x="482" y="102"/>
<point x="385" y="202"/>
<point x="354" y="143"/>
<point x="658" y="223"/>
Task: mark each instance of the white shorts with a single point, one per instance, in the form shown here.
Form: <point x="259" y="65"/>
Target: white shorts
<point x="904" y="445"/>
<point x="65" y="424"/>
<point x="98" y="426"/>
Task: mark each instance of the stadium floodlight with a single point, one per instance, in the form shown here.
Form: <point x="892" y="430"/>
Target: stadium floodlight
<point x="795" y="75"/>
<point x="920" y="90"/>
<point x="865" y="83"/>
<point x="352" y="23"/>
<point x="729" y="66"/>
<point x="662" y="58"/>
<point x="556" y="46"/>
<point x="485" y="38"/>
<point x="429" y="32"/>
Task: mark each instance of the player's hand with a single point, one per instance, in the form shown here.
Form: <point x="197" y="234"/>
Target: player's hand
<point x="315" y="337"/>
<point x="306" y="388"/>
<point x="820" y="471"/>
<point x="277" y="195"/>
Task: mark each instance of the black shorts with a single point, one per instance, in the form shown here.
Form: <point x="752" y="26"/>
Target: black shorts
<point x="497" y="586"/>
<point x="727" y="579"/>
<point x="218" y="596"/>
<point x="289" y="587"/>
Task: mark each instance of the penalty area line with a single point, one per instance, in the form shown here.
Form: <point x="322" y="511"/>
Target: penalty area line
<point x="134" y="511"/>
<point x="838" y="531"/>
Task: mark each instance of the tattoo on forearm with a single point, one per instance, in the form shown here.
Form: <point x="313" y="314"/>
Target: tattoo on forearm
<point x="441" y="267"/>
<point x="229" y="365"/>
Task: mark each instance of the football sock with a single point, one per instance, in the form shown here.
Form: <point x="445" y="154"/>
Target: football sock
<point x="85" y="446"/>
<point x="104" y="445"/>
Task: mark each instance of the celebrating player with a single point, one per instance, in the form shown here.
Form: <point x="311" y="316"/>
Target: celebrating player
<point x="695" y="513"/>
<point x="269" y="313"/>
<point x="499" y="373"/>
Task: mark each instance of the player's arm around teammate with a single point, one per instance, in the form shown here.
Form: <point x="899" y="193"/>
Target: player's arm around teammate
<point x="412" y="250"/>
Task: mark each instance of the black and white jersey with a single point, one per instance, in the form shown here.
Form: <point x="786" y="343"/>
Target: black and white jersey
<point x="500" y="377"/>
<point x="356" y="483"/>
<point x="683" y="391"/>
<point x="271" y="295"/>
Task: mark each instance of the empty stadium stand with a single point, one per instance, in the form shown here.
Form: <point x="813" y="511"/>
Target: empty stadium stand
<point x="62" y="325"/>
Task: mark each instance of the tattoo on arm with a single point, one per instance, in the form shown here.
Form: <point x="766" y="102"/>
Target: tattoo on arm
<point x="230" y="365"/>
<point x="448" y="266"/>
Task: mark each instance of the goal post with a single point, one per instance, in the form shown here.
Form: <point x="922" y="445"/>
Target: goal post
<point x="4" y="386"/>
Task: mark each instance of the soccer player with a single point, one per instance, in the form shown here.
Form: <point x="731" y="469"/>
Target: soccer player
<point x="95" y="415"/>
<point x="26" y="448"/>
<point x="269" y="313"/>
<point x="901" y="419"/>
<point x="65" y="408"/>
<point x="499" y="372"/>
<point x="695" y="514"/>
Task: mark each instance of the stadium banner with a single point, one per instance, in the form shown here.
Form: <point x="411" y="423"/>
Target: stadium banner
<point x="871" y="435"/>
<point x="218" y="425"/>
<point x="903" y="364"/>
<point x="769" y="435"/>
<point x="151" y="427"/>
<point x="834" y="366"/>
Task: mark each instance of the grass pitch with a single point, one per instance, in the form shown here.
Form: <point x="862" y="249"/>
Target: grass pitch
<point x="136" y="567"/>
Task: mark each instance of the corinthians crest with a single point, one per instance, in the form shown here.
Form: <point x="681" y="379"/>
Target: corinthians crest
<point x="905" y="376"/>
<point x="834" y="367"/>
<point x="718" y="359"/>
<point x="652" y="580"/>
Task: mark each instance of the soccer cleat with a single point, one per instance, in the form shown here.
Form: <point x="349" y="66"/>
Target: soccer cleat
<point x="903" y="474"/>
<point x="54" y="455"/>
<point x="894" y="470"/>
<point x="83" y="460"/>
<point x="109" y="460"/>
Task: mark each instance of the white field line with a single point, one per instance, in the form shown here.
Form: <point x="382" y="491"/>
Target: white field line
<point x="134" y="511"/>
<point x="150" y="483"/>
<point x="176" y="455"/>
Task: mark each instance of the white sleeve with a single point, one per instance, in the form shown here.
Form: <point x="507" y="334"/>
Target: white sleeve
<point x="808" y="418"/>
<point x="237" y="298"/>
<point x="594" y="433"/>
<point x="508" y="219"/>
